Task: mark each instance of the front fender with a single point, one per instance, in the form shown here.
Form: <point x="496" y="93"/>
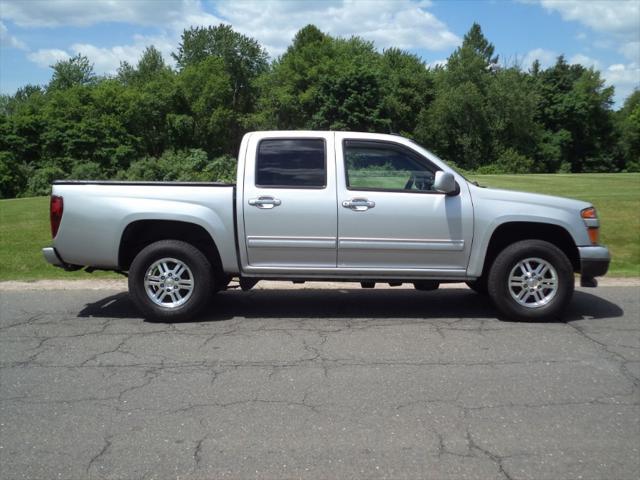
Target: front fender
<point x="491" y="214"/>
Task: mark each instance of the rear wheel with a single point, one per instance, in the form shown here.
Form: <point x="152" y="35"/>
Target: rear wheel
<point x="531" y="280"/>
<point x="170" y="280"/>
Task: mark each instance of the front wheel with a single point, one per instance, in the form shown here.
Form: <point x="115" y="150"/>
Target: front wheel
<point x="531" y="280"/>
<point x="170" y="280"/>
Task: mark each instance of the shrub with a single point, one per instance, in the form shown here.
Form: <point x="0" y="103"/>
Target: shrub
<point x="510" y="161"/>
<point x="40" y="182"/>
<point x="13" y="175"/>
<point x="87" y="171"/>
<point x="187" y="165"/>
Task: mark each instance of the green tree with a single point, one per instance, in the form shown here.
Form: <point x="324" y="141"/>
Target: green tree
<point x="150" y="66"/>
<point x="473" y="61"/>
<point x="323" y="82"/>
<point x="574" y="103"/>
<point x="77" y="70"/>
<point x="289" y="91"/>
<point x="407" y="87"/>
<point x="350" y="100"/>
<point x="243" y="57"/>
<point x="510" y="107"/>
<point x="455" y="126"/>
<point x="153" y="122"/>
<point x="628" y="123"/>
<point x="457" y="123"/>
<point x="207" y="91"/>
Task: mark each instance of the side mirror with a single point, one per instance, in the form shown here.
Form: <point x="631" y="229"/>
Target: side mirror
<point x="444" y="182"/>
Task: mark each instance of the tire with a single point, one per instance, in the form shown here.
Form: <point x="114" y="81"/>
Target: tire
<point x="222" y="283"/>
<point x="479" y="286"/>
<point x="542" y="281"/>
<point x="160" y="270"/>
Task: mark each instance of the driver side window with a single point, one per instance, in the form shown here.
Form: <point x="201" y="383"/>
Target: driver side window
<point x="374" y="165"/>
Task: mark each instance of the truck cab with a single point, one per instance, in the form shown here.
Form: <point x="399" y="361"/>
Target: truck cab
<point x="355" y="204"/>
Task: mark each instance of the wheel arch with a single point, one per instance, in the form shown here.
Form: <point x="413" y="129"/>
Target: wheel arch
<point x="141" y="233"/>
<point x="508" y="233"/>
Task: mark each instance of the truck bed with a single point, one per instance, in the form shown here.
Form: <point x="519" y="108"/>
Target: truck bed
<point x="136" y="182"/>
<point x="97" y="213"/>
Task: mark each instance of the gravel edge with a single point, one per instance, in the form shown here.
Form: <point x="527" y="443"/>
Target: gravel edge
<point x="121" y="284"/>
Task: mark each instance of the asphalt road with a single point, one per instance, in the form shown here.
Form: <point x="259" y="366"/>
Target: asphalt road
<point x="319" y="384"/>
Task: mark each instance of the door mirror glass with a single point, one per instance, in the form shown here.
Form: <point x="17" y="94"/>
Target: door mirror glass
<point x="444" y="182"/>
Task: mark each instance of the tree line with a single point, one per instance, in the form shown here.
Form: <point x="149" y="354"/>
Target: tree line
<point x="154" y="122"/>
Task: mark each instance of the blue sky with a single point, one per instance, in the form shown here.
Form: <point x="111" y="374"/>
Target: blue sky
<point x="604" y="34"/>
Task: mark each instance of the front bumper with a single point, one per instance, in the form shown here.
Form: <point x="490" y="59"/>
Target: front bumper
<point x="594" y="262"/>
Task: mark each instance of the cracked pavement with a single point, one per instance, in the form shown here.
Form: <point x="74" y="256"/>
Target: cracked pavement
<point x="342" y="383"/>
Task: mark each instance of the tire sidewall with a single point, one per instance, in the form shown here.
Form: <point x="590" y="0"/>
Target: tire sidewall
<point x="190" y="256"/>
<point x="498" y="281"/>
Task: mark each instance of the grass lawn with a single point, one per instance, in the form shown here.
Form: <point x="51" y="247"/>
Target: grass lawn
<point x="24" y="223"/>
<point x="24" y="230"/>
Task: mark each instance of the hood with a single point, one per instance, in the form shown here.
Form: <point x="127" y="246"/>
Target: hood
<point x="525" y="198"/>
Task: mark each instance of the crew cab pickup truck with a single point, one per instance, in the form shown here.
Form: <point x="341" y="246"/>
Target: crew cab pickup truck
<point x="311" y="205"/>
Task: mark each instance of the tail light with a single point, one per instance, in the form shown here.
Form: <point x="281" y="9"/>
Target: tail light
<point x="590" y="218"/>
<point x="56" y="208"/>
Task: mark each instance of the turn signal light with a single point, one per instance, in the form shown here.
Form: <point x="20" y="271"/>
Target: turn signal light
<point x="590" y="218"/>
<point x="56" y="208"/>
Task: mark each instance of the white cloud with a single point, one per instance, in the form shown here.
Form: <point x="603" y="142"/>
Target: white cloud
<point x="620" y="16"/>
<point x="631" y="50"/>
<point x="546" y="58"/>
<point x="400" y="23"/>
<point x="83" y="13"/>
<point x="171" y="16"/>
<point x="106" y="60"/>
<point x="47" y="56"/>
<point x="437" y="63"/>
<point x="620" y="19"/>
<point x="625" y="78"/>
<point x="585" y="61"/>
<point x="8" y="40"/>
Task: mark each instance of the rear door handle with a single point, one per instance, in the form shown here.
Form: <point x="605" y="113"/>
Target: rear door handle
<point x="359" y="204"/>
<point x="265" y="202"/>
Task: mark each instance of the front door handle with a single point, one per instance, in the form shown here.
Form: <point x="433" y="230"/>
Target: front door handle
<point x="359" y="204"/>
<point x="264" y="202"/>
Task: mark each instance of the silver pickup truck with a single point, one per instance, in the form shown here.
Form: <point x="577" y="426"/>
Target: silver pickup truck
<point x="312" y="205"/>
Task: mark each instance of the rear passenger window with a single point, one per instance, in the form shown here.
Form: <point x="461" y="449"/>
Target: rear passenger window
<point x="292" y="163"/>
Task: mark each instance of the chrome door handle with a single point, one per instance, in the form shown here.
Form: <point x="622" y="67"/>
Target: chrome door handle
<point x="359" y="204"/>
<point x="265" y="202"/>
